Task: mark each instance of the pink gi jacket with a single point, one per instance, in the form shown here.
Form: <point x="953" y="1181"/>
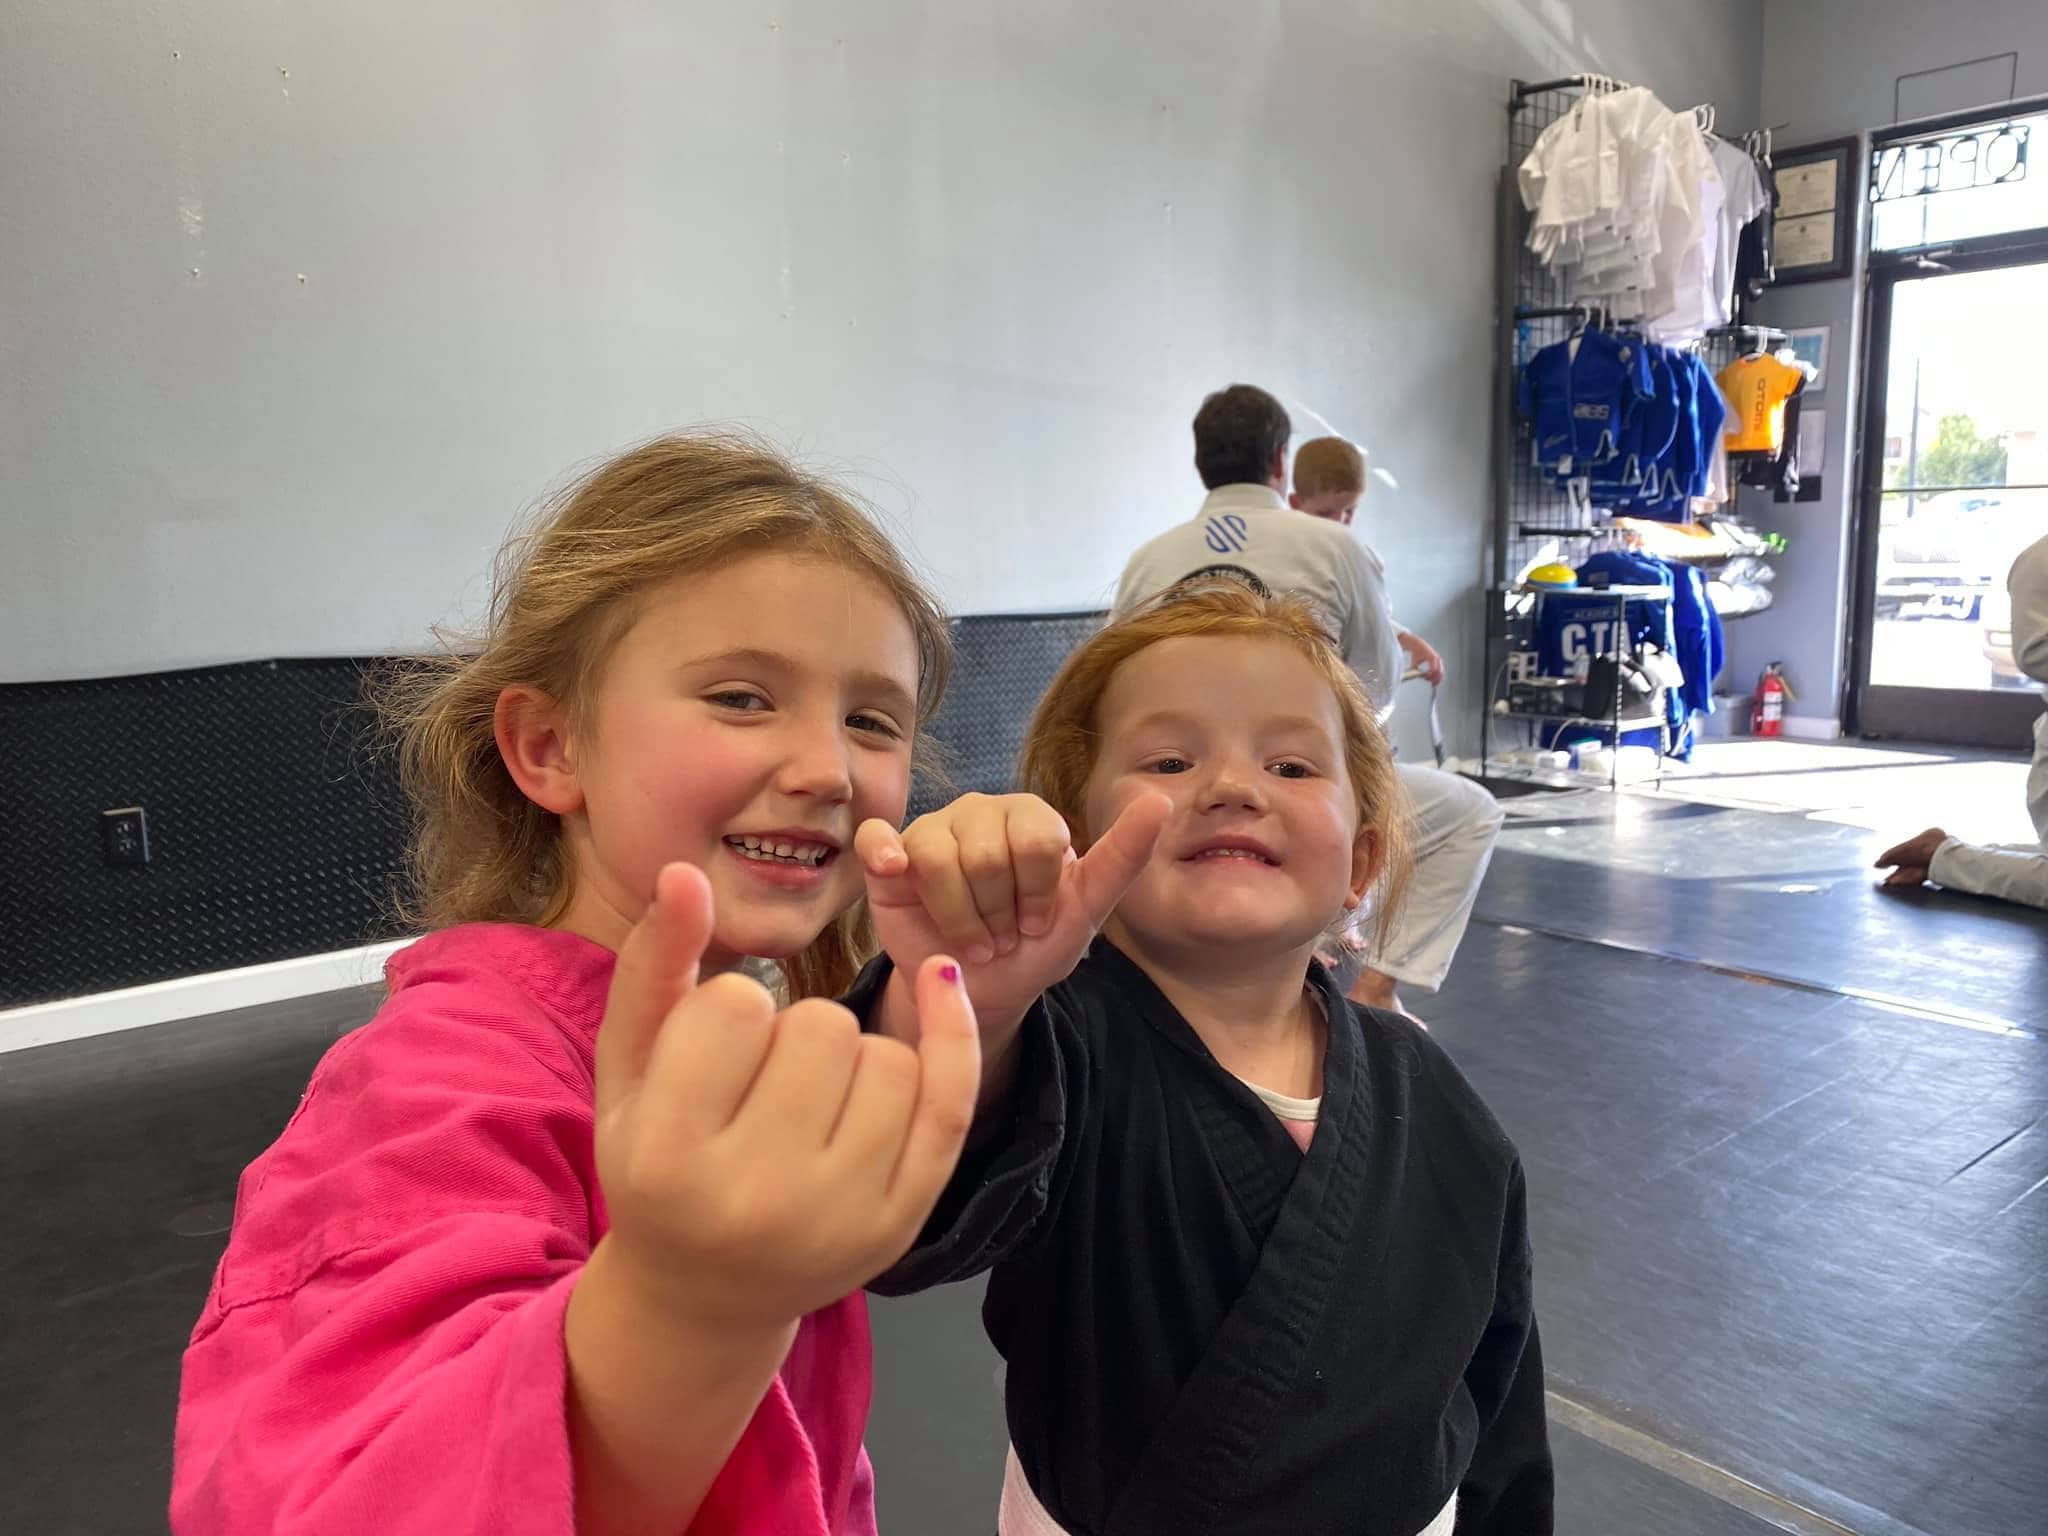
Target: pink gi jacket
<point x="382" y="1347"/>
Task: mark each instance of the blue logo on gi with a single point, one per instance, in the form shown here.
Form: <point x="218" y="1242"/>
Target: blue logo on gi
<point x="1226" y="533"/>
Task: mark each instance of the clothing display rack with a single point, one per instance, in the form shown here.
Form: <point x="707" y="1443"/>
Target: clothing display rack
<point x="1531" y="511"/>
<point x="1624" y="314"/>
<point x="1537" y="307"/>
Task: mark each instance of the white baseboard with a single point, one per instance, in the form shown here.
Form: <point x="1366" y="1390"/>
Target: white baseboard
<point x="1813" y="728"/>
<point x="190" y="997"/>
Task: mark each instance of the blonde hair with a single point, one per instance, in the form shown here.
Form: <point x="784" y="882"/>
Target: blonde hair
<point x="566" y="591"/>
<point x="1324" y="465"/>
<point x="1066" y="734"/>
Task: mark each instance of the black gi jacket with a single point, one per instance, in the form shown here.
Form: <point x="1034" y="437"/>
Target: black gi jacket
<point x="1207" y="1330"/>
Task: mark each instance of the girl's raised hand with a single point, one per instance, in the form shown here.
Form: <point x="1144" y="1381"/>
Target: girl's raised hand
<point x="994" y="879"/>
<point x="759" y="1165"/>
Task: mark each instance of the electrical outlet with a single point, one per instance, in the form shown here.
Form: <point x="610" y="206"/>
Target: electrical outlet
<point x="124" y="836"/>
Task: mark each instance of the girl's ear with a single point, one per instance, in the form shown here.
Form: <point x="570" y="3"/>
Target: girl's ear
<point x="532" y="730"/>
<point x="1365" y="866"/>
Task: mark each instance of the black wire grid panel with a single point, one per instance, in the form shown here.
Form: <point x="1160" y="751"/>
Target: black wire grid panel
<point x="1537" y="511"/>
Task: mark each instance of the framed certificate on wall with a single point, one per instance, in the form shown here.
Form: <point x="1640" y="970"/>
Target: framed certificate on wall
<point x="1817" y="189"/>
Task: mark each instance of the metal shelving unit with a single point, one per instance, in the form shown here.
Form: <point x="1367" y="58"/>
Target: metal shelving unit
<point x="1511" y="621"/>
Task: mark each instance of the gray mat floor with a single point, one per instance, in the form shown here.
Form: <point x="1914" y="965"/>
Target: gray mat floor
<point x="1791" y="1241"/>
<point x="1778" y="894"/>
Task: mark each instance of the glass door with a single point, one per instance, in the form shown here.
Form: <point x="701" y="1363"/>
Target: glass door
<point x="1955" y="484"/>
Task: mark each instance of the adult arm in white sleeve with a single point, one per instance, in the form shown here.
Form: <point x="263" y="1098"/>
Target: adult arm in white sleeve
<point x="2028" y="584"/>
<point x="1372" y="645"/>
<point x="2008" y="871"/>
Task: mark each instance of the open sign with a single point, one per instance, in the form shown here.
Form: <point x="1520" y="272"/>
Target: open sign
<point x="1983" y="157"/>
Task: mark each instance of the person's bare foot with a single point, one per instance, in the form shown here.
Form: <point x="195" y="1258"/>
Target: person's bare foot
<point x="1909" y="861"/>
<point x="1374" y="989"/>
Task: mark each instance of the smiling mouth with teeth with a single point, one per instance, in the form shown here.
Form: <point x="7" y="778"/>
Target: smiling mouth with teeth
<point x="1242" y="855"/>
<point x="768" y="850"/>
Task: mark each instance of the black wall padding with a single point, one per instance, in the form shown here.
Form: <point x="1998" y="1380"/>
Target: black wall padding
<point x="1003" y="663"/>
<point x="275" y="827"/>
<point x="274" y="831"/>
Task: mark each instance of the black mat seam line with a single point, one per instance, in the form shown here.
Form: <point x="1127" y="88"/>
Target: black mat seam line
<point x="1997" y="1146"/>
<point x="1960" y="1018"/>
<point x="1805" y="773"/>
<point x="1700" y="1474"/>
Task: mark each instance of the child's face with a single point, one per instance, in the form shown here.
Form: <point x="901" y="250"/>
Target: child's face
<point x="1263" y="847"/>
<point x="767" y="704"/>
<point x="1336" y="506"/>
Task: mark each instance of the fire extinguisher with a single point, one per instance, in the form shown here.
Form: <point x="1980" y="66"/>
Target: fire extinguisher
<point x="1767" y="715"/>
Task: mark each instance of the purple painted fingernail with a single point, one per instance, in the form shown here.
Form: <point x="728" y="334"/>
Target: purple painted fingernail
<point x="950" y="972"/>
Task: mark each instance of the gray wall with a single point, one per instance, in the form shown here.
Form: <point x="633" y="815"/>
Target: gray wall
<point x="301" y="305"/>
<point x="1831" y="68"/>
